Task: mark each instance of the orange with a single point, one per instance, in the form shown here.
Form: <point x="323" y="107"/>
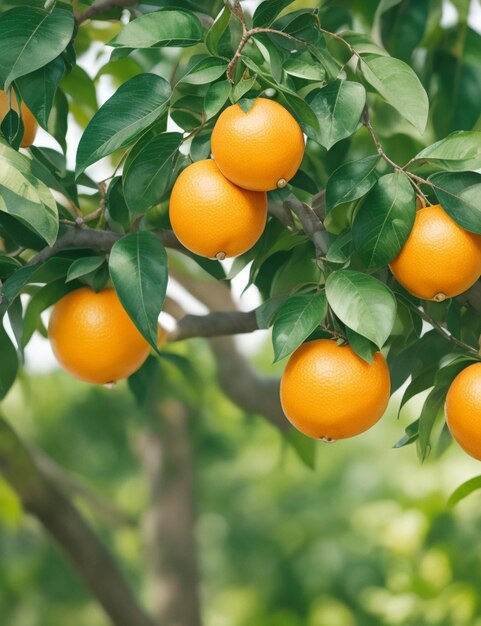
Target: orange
<point x="259" y="150"/>
<point x="329" y="393"/>
<point x="93" y="337"/>
<point x="440" y="259"/>
<point x="29" y="122"/>
<point x="213" y="217"/>
<point x="463" y="409"/>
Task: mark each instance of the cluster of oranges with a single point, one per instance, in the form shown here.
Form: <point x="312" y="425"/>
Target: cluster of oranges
<point x="218" y="207"/>
<point x="328" y="392"/>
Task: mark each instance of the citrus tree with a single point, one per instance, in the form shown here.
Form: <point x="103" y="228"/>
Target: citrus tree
<point x="329" y="147"/>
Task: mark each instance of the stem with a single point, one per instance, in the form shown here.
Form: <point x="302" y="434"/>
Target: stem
<point x="440" y="328"/>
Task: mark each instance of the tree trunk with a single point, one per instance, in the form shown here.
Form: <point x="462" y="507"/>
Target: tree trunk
<point x="169" y="522"/>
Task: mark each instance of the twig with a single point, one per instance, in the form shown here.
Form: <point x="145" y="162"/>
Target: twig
<point x="440" y="328"/>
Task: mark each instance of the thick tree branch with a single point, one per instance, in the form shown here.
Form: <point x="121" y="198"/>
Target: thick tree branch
<point x="247" y="388"/>
<point x="68" y="483"/>
<point x="88" y="555"/>
<point x="218" y="323"/>
<point x="76" y="237"/>
<point x="103" y="6"/>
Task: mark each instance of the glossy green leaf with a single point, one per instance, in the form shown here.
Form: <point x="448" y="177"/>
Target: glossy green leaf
<point x="431" y="409"/>
<point x="38" y="89"/>
<point x="338" y="108"/>
<point x="363" y="347"/>
<point x="30" y="38"/>
<point x="149" y="175"/>
<point x="305" y="447"/>
<point x="305" y="68"/>
<point x="398" y="84"/>
<point x="268" y="10"/>
<point x="166" y="27"/>
<point x="295" y="320"/>
<point x="132" y="109"/>
<point x="464" y="490"/>
<point x="39" y="302"/>
<point x="351" y="181"/>
<point x="215" y="98"/>
<point x="216" y="31"/>
<point x="84" y="265"/>
<point x="25" y="197"/>
<point x="384" y="220"/>
<point x="242" y="87"/>
<point x="363" y="303"/>
<point x="205" y="71"/>
<point x="58" y="119"/>
<point x="138" y="268"/>
<point x="460" y="150"/>
<point x="460" y="195"/>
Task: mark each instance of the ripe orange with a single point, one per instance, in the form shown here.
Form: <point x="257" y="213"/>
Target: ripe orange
<point x="29" y="122"/>
<point x="213" y="217"/>
<point x="93" y="337"/>
<point x="259" y="150"/>
<point x="463" y="409"/>
<point x="440" y="259"/>
<point x="328" y="392"/>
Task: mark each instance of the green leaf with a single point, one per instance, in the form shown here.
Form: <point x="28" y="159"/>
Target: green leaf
<point x="41" y="300"/>
<point x="215" y="98"/>
<point x="83" y="97"/>
<point x="338" y="108"/>
<point x="216" y="31"/>
<point x="117" y="209"/>
<point x="384" y="220"/>
<point x="25" y="197"/>
<point x="58" y="119"/>
<point x="398" y="84"/>
<point x="38" y="89"/>
<point x="266" y="312"/>
<point x="295" y="320"/>
<point x="8" y="362"/>
<point x="362" y="303"/>
<point x="242" y="87"/>
<point x="361" y="346"/>
<point x="55" y="267"/>
<point x="432" y="406"/>
<point x="149" y="175"/>
<point x="133" y="108"/>
<point x="459" y="193"/>
<point x="410" y="436"/>
<point x="306" y="68"/>
<point x="267" y="12"/>
<point x="84" y="265"/>
<point x="205" y="71"/>
<point x="305" y="447"/>
<point x="464" y="490"/>
<point x="460" y="150"/>
<point x="351" y="181"/>
<point x="166" y="27"/>
<point x="138" y="268"/>
<point x="30" y="38"/>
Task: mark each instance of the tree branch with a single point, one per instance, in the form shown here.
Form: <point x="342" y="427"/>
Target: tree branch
<point x="311" y="225"/>
<point x="101" y="240"/>
<point x="218" y="323"/>
<point x="166" y="456"/>
<point x="102" y="6"/>
<point x="88" y="555"/>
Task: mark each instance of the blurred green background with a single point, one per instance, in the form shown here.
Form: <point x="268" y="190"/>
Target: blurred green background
<point x="364" y="540"/>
